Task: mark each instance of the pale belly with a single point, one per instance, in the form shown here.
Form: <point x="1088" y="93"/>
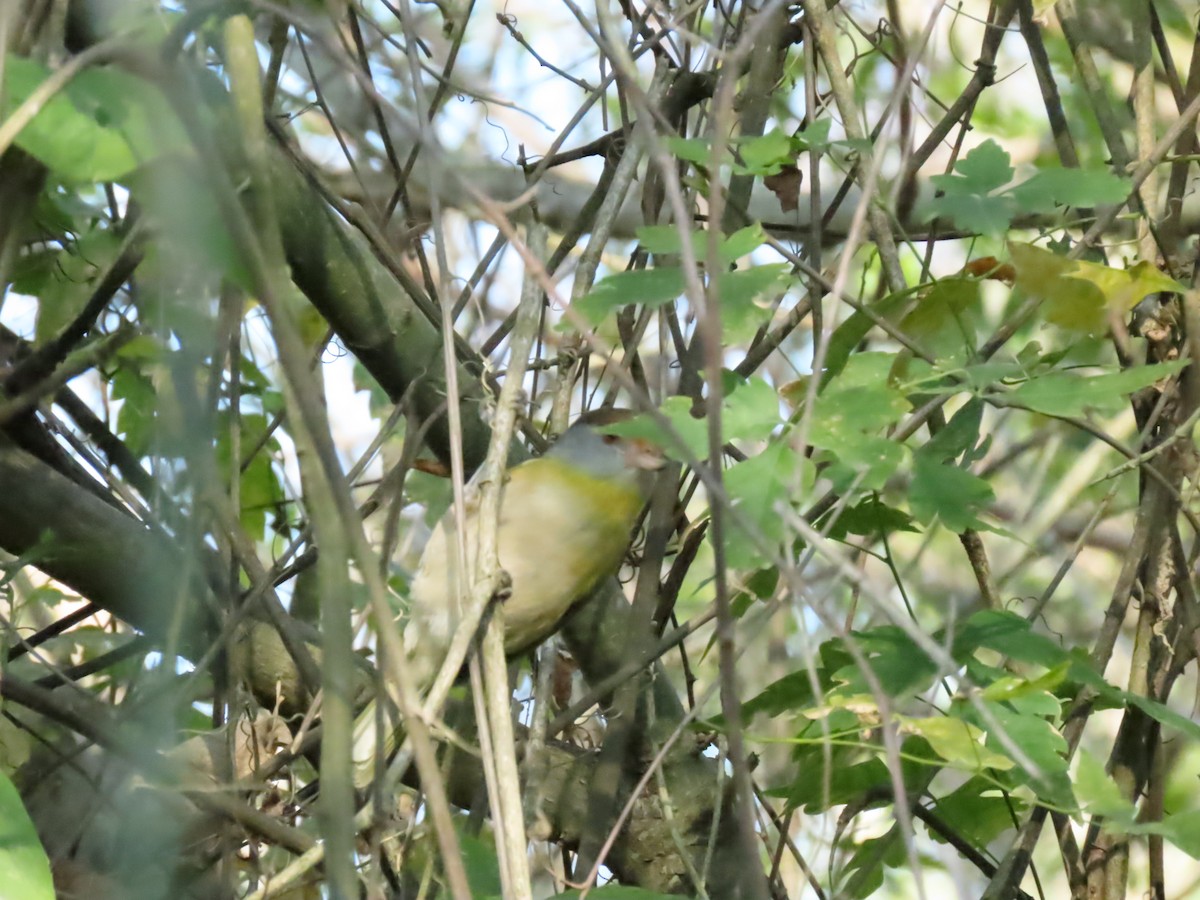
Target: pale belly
<point x="555" y="552"/>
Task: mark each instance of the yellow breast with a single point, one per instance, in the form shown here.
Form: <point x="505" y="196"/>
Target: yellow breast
<point x="561" y="532"/>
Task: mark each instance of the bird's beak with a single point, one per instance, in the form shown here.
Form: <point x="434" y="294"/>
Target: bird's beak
<point x="642" y="454"/>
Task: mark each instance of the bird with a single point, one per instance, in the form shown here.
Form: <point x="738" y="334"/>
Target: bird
<point x="566" y="520"/>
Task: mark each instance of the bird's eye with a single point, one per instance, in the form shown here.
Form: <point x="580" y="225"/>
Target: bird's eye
<point x="611" y="438"/>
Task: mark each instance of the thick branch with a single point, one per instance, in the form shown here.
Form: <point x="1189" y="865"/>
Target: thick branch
<point x="103" y="553"/>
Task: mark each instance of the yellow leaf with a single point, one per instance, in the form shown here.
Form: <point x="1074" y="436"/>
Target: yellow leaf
<point x="955" y="741"/>
<point x="1079" y="295"/>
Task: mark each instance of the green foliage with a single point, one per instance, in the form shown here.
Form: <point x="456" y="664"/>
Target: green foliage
<point x="736" y="294"/>
<point x="755" y="487"/>
<point x="845" y="781"/>
<point x="870" y="517"/>
<point x="968" y="199"/>
<point x="892" y="419"/>
<point x="974" y="196"/>
<point x="685" y="439"/>
<point x="647" y="287"/>
<point x="196" y="245"/>
<point x="483" y="870"/>
<point x="60" y="279"/>
<point x="864" y="871"/>
<point x="942" y="321"/>
<point x="751" y="410"/>
<point x="259" y="488"/>
<point x="1068" y="394"/>
<point x="1079" y="295"/>
<point x="765" y="154"/>
<point x="1008" y="739"/>
<point x="22" y="859"/>
<point x="849" y="418"/>
<point x="667" y="239"/>
<point x="976" y="810"/>
<point x="950" y="494"/>
<point x="104" y="124"/>
<point x="135" y="420"/>
<point x="850" y="333"/>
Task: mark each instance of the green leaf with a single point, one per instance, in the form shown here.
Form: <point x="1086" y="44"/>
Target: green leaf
<point x="691" y="431"/>
<point x="845" y="783"/>
<point x="260" y="491"/>
<point x="866" y="370"/>
<point x="948" y="493"/>
<point x="847" y="336"/>
<point x="101" y="126"/>
<point x="959" y="435"/>
<point x="861" y="459"/>
<point x="1053" y="187"/>
<point x="1067" y="302"/>
<point x="695" y="150"/>
<point x="755" y="486"/>
<point x="990" y="216"/>
<point x="899" y="665"/>
<point x="1098" y="794"/>
<point x="955" y="741"/>
<point x="1042" y="744"/>
<point x="750" y="411"/>
<point x="1060" y="393"/>
<point x="1160" y="713"/>
<point x="815" y="136"/>
<point x="866" y="462"/>
<point x="867" y="865"/>
<point x="143" y="348"/>
<point x="985" y="168"/>
<point x="738" y="293"/>
<point x="976" y="811"/>
<point x="24" y="863"/>
<point x="1181" y="829"/>
<point x="651" y="288"/>
<point x="742" y="242"/>
<point x="850" y="414"/>
<point x="1123" y="289"/>
<point x="15" y="743"/>
<point x="967" y="199"/>
<point x="941" y="322"/>
<point x="855" y="410"/>
<point x="869" y="518"/>
<point x="767" y="154"/>
<point x="1009" y="634"/>
<point x="68" y="286"/>
<point x="648" y="287"/>
<point x="971" y="196"/>
<point x="666" y="240"/>
<point x="34" y="271"/>
<point x="136" y="418"/>
<point x="1012" y="688"/>
<point x="1038" y="703"/>
<point x="430" y="493"/>
<point x="791" y="693"/>
<point x="1079" y="295"/>
<point x="481" y="865"/>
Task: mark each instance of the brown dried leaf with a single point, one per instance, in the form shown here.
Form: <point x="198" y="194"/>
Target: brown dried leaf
<point x="785" y="185"/>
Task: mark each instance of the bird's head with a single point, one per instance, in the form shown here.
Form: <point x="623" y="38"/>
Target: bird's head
<point x="609" y="456"/>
